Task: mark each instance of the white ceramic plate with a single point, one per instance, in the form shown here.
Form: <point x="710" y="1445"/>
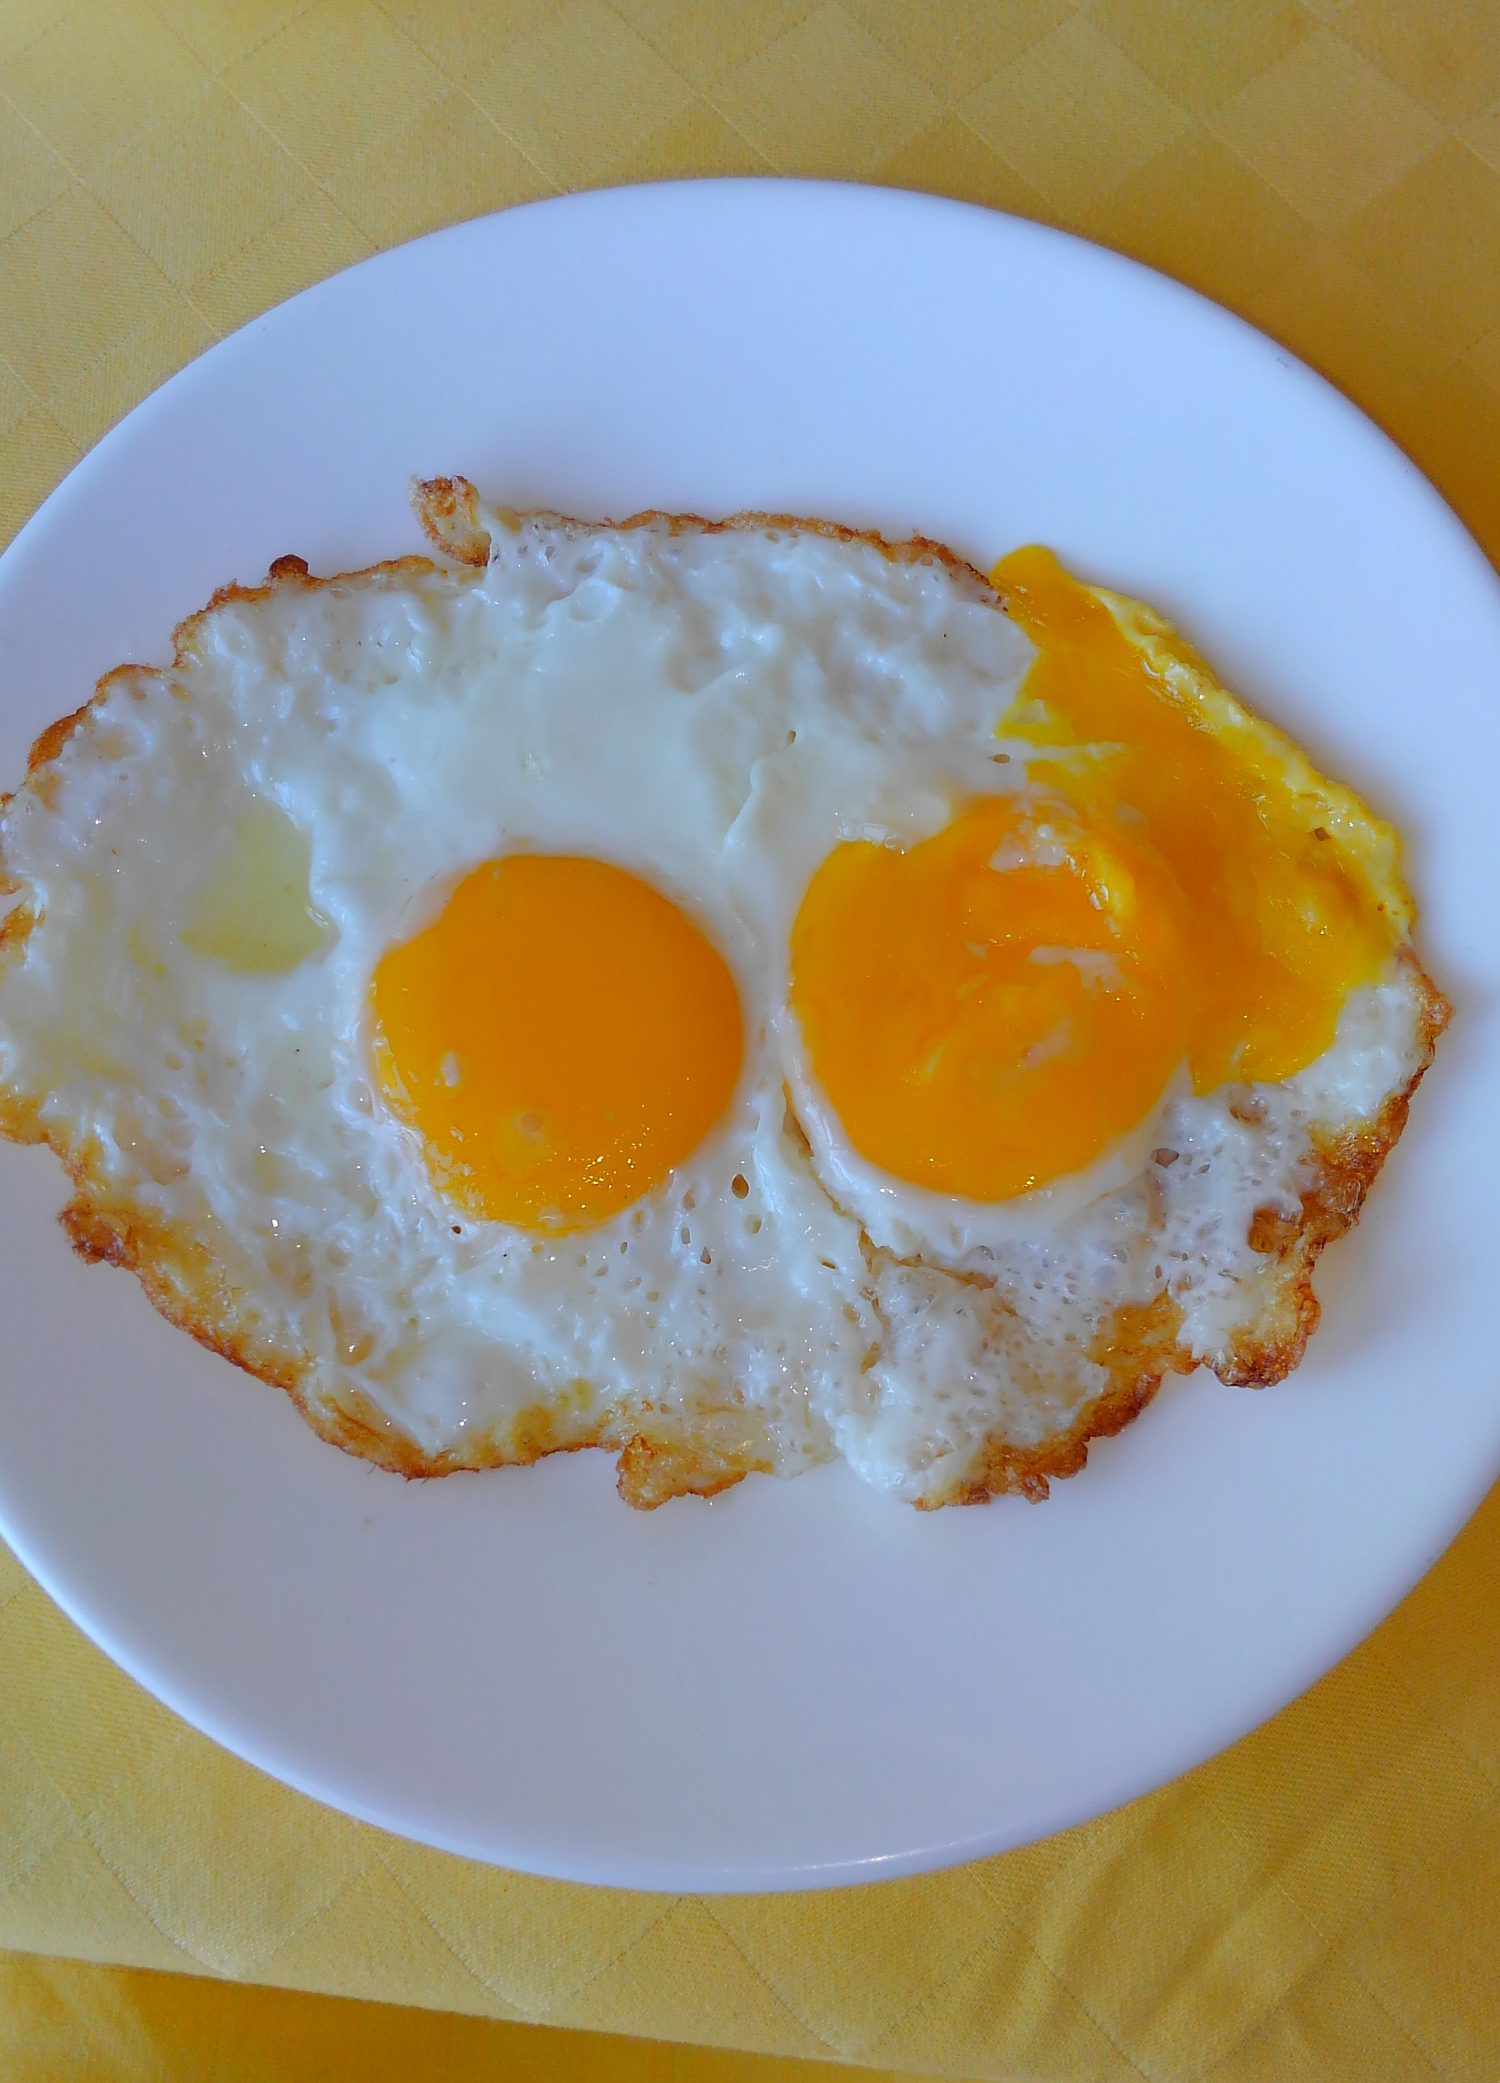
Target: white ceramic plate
<point x="801" y="1682"/>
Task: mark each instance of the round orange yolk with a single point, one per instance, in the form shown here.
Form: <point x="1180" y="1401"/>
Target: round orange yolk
<point x="561" y="1036"/>
<point x="989" y="1009"/>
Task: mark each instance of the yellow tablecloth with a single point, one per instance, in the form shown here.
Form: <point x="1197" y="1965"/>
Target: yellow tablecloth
<point x="1324" y="1900"/>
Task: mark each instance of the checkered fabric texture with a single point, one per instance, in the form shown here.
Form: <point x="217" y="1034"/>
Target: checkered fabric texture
<point x="1323" y="1901"/>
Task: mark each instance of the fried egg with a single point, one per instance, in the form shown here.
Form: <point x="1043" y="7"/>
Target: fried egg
<point x="737" y="995"/>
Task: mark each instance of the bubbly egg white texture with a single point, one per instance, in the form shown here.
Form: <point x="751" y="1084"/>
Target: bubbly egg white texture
<point x="713" y="711"/>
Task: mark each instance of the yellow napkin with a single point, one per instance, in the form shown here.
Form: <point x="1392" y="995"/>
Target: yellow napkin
<point x="1324" y="1900"/>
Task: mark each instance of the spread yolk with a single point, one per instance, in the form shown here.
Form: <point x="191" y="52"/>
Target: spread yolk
<point x="959" y="999"/>
<point x="561" y="1036"/>
<point x="1172" y="885"/>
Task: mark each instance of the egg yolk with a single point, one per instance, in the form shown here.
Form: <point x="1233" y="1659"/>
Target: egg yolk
<point x="959" y="999"/>
<point x="561" y="1036"/>
<point x="989" y="1009"/>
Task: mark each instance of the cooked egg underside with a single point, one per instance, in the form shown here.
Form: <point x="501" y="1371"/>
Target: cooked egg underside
<point x="208" y="862"/>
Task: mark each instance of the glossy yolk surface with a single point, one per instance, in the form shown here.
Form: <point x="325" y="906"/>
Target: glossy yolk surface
<point x="989" y="1009"/>
<point x="959" y="999"/>
<point x="561" y="1035"/>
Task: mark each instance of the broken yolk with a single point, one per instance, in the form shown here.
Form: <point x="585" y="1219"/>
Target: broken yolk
<point x="1174" y="885"/>
<point x="561" y="1036"/>
<point x="959" y="999"/>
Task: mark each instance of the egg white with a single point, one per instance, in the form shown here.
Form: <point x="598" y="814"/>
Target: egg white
<point x="714" y="712"/>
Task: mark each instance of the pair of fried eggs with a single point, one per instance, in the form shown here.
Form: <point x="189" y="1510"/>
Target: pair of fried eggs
<point x="739" y="990"/>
